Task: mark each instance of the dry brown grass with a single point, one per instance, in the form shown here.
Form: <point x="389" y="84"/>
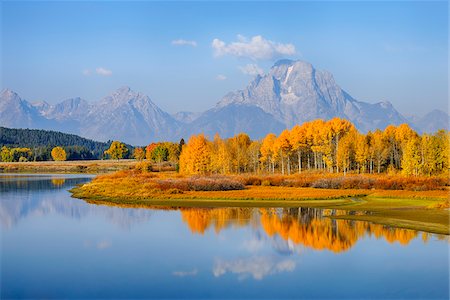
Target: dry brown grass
<point x="80" y="166"/>
<point x="133" y="184"/>
<point x="350" y="181"/>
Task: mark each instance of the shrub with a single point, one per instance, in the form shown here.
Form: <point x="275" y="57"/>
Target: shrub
<point x="382" y="183"/>
<point x="265" y="182"/>
<point x="200" y="184"/>
<point x="214" y="184"/>
<point x="250" y="180"/>
<point x="143" y="166"/>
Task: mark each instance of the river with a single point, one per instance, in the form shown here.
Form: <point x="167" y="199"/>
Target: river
<point x="55" y="246"/>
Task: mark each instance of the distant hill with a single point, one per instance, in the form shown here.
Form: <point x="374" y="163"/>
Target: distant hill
<point x="32" y="138"/>
<point x="432" y="121"/>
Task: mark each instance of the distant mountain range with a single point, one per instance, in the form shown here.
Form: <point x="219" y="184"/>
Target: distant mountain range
<point x="292" y="92"/>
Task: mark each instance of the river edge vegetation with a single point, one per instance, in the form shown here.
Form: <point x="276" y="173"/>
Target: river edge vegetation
<point x="421" y="208"/>
<point x="396" y="172"/>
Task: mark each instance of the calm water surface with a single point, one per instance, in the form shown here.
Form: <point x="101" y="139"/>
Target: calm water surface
<point x="54" y="246"/>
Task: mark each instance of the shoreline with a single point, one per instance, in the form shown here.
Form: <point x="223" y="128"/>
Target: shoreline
<point x="67" y="167"/>
<point x="414" y="210"/>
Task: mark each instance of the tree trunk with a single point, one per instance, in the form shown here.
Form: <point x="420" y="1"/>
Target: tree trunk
<point x="299" y="161"/>
<point x="289" y="164"/>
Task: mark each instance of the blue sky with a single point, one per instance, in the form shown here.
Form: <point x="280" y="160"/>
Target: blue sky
<point x="395" y="51"/>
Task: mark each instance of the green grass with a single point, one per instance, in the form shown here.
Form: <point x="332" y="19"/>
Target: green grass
<point x="403" y="213"/>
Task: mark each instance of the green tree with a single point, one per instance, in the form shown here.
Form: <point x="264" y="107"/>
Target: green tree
<point x="6" y="154"/>
<point x="160" y="153"/>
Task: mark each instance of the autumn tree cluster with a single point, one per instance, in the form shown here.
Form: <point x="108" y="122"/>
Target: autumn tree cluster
<point x="15" y="154"/>
<point x="159" y="152"/>
<point x="332" y="146"/>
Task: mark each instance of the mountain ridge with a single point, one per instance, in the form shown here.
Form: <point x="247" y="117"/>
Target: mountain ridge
<point x="291" y="92"/>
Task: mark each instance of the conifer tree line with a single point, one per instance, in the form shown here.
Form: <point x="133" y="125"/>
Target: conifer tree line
<point x="37" y="145"/>
<point x="333" y="146"/>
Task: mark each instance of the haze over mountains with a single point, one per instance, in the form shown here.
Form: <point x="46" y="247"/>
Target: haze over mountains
<point x="292" y="92"/>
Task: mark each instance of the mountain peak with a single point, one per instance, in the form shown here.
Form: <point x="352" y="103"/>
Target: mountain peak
<point x="8" y="93"/>
<point x="282" y="62"/>
<point x="124" y="89"/>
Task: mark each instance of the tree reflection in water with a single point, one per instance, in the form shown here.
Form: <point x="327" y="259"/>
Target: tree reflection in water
<point x="309" y="227"/>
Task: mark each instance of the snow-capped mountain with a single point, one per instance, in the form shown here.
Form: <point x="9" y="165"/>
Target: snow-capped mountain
<point x="129" y="116"/>
<point x="124" y="115"/>
<point x="292" y="92"/>
<point x="19" y="113"/>
<point x="73" y="109"/>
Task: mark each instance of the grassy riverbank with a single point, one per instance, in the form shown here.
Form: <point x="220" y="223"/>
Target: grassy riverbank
<point x="79" y="166"/>
<point x="420" y="210"/>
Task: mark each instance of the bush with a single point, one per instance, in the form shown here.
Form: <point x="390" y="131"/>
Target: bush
<point x="200" y="184"/>
<point x="265" y="182"/>
<point x="383" y="183"/>
<point x="143" y="166"/>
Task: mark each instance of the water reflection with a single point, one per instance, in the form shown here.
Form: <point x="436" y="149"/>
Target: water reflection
<point x="34" y="195"/>
<point x="308" y="227"/>
<point x="53" y="244"/>
<point x="257" y="267"/>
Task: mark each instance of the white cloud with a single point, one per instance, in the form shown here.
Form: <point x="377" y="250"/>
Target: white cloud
<point x="103" y="72"/>
<point x="86" y="72"/>
<point x="256" y="48"/>
<point x="257" y="267"/>
<point x="103" y="244"/>
<point x="253" y="245"/>
<point x="221" y="77"/>
<point x="251" y="69"/>
<point x="181" y="42"/>
<point x="185" y="273"/>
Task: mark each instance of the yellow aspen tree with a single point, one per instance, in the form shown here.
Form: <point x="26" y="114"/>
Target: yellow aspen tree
<point x="379" y="148"/>
<point x="267" y="151"/>
<point x="361" y="151"/>
<point x="427" y="155"/>
<point x="117" y="150"/>
<point x="411" y="157"/>
<point x="345" y="152"/>
<point x="195" y="157"/>
<point x="338" y="128"/>
<point x="220" y="156"/>
<point x="441" y="150"/>
<point x="403" y="133"/>
<point x="283" y="148"/>
<point x="58" y="154"/>
<point x="298" y="138"/>
<point x="139" y="153"/>
<point x="254" y="155"/>
<point x="318" y="133"/>
<point x="240" y="144"/>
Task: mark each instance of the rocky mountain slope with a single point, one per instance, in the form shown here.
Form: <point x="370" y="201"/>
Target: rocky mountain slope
<point x="294" y="92"/>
